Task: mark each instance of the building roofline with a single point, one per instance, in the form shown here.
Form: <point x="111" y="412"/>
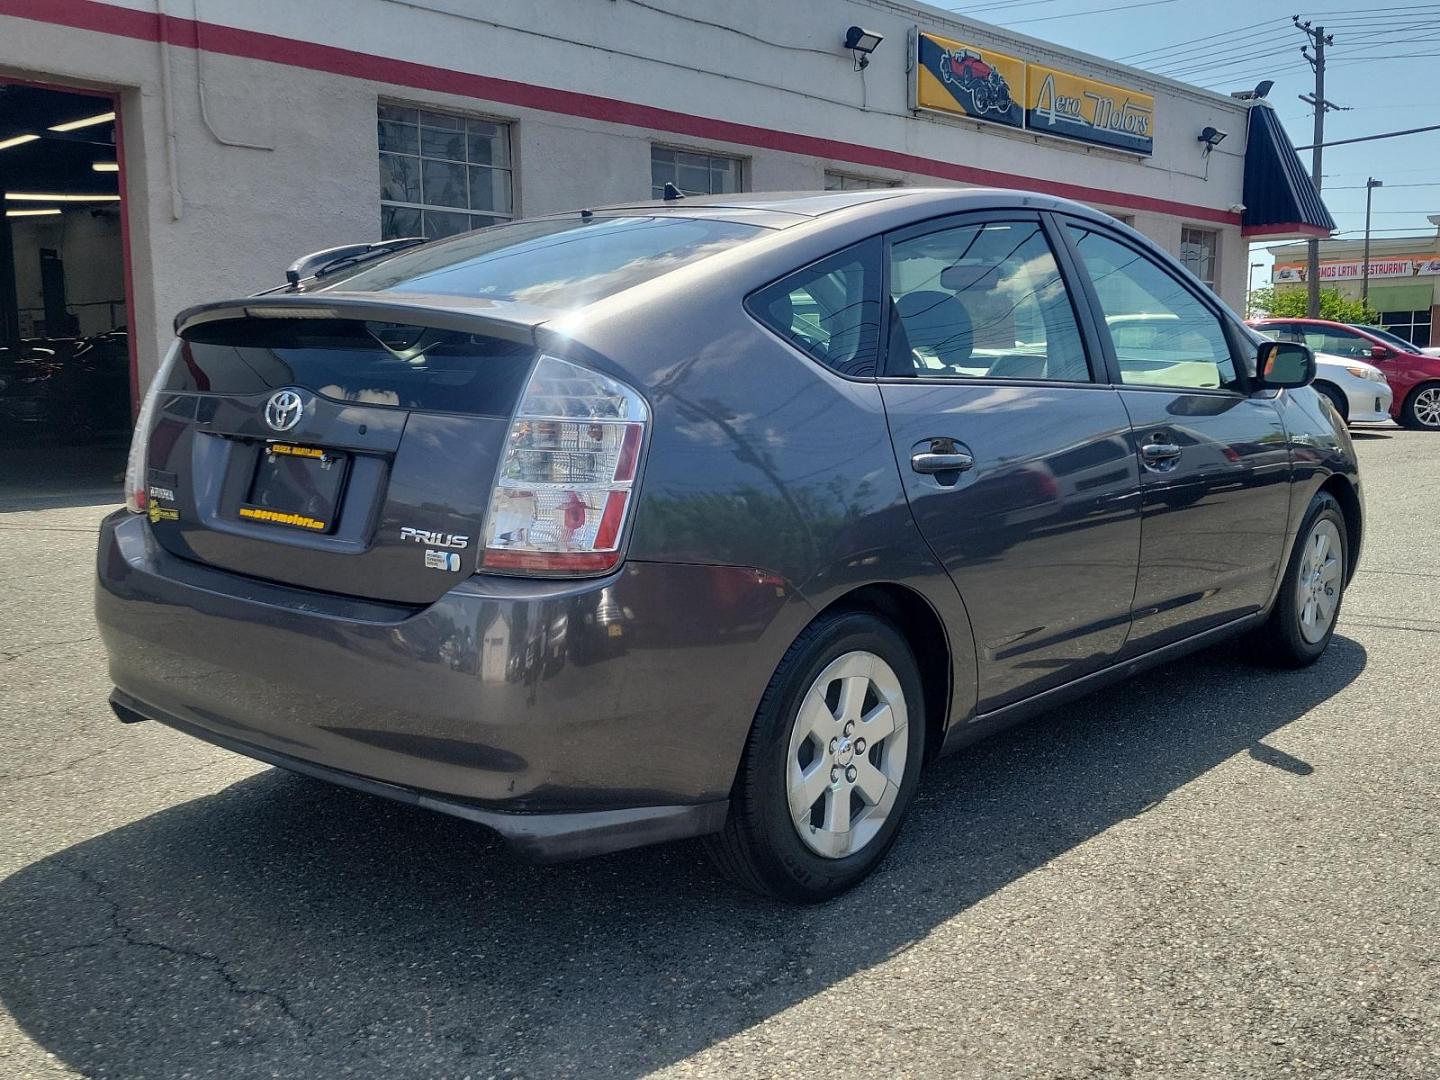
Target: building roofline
<point x="1295" y="250"/>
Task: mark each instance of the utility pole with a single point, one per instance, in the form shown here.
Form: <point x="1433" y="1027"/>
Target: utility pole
<point x="1370" y="185"/>
<point x="1250" y="289"/>
<point x="1319" y="39"/>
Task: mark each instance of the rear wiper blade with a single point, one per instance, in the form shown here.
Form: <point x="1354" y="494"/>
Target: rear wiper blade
<point x="319" y="263"/>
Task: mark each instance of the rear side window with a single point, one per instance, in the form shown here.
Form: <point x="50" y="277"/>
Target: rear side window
<point x="983" y="301"/>
<point x="553" y="262"/>
<point x="830" y="309"/>
<point x="1336" y="342"/>
<point x="1163" y="334"/>
<point x="370" y="363"/>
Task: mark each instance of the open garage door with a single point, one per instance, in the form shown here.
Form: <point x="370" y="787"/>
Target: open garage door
<point x="65" y="365"/>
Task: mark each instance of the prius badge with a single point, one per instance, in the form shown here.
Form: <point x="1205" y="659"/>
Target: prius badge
<point x="284" y="409"/>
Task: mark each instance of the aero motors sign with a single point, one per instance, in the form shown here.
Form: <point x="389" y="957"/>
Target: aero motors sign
<point x="1347" y="271"/>
<point x="962" y="79"/>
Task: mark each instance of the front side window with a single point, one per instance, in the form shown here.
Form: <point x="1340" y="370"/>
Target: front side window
<point x="1394" y="340"/>
<point x="830" y="309"/>
<point x="983" y="301"/>
<point x="441" y="173"/>
<point x="1197" y="253"/>
<point x="1163" y="335"/>
<point x="692" y="173"/>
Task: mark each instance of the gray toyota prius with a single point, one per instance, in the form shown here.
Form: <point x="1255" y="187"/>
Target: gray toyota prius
<point x="711" y="517"/>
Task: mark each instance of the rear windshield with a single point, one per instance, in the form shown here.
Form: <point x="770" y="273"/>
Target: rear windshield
<point x="371" y="363"/>
<point x="554" y="263"/>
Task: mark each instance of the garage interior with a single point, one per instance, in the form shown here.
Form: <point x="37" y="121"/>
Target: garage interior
<point x="65" y="393"/>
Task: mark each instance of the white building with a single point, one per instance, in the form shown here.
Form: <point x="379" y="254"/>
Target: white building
<point x="252" y="132"/>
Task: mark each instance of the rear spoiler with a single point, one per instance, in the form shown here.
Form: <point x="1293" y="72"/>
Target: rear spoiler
<point x="510" y="320"/>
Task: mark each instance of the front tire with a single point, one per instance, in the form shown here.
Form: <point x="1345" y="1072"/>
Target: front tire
<point x="831" y="763"/>
<point x="1303" y="620"/>
<point x="1422" y="408"/>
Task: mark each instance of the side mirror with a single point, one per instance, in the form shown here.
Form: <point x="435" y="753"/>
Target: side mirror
<point x="1284" y="365"/>
<point x="1381" y="352"/>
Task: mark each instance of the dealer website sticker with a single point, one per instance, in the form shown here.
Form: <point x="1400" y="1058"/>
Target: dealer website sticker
<point x="442" y="560"/>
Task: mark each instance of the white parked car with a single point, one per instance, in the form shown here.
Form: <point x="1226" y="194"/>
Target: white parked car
<point x="1358" y="390"/>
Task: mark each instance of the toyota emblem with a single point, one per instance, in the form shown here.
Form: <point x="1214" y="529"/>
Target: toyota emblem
<point x="284" y="409"/>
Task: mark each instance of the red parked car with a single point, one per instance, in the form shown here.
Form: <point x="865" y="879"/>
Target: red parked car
<point x="1413" y="376"/>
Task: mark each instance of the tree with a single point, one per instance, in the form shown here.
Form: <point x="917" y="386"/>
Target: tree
<point x="1291" y="304"/>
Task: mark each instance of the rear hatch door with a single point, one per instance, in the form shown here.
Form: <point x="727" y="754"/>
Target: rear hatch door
<point x="347" y="445"/>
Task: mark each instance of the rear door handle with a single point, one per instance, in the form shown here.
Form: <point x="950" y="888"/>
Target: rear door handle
<point x="930" y="462"/>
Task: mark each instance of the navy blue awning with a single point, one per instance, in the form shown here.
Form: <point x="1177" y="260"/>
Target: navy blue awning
<point x="1280" y="199"/>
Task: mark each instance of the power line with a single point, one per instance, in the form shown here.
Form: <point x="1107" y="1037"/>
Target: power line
<point x="997" y="7"/>
<point x="1393" y="59"/>
<point x="1238" y="34"/>
<point x="1092" y="11"/>
<point x="1229" y="36"/>
<point x="1372" y="138"/>
<point x="1388" y="187"/>
<point x="1242" y="61"/>
<point x="1398" y="229"/>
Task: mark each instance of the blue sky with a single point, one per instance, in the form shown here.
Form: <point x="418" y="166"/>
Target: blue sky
<point x="1382" y="65"/>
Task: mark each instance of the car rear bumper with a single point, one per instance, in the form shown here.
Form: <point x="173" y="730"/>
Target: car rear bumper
<point x="571" y="717"/>
<point x="541" y="837"/>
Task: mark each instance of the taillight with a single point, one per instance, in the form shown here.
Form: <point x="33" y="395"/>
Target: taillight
<point x="135" y="464"/>
<point x="563" y="493"/>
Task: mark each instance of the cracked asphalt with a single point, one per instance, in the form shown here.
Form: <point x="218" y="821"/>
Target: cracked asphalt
<point x="1214" y="871"/>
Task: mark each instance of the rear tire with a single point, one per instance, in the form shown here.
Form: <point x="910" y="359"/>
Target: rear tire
<point x="1336" y="398"/>
<point x="809" y="765"/>
<point x="1421" y="411"/>
<point x="1307" y="608"/>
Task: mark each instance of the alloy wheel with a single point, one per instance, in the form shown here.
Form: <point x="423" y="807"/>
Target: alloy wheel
<point x="847" y="753"/>
<point x="1427" y="407"/>
<point x="1317" y="590"/>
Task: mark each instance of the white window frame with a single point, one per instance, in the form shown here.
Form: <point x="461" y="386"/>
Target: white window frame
<point x="864" y="183"/>
<point x="1407" y="328"/>
<point x="506" y="124"/>
<point x="1186" y="233"/>
<point x="742" y="166"/>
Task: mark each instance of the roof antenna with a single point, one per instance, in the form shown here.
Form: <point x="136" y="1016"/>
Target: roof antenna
<point x="586" y="215"/>
<point x="672" y="192"/>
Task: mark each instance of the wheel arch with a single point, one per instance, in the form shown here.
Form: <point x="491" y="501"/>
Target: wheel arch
<point x="1343" y="491"/>
<point x="1325" y="387"/>
<point x="924" y="631"/>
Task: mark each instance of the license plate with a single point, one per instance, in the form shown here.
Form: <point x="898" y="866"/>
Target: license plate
<point x="296" y="486"/>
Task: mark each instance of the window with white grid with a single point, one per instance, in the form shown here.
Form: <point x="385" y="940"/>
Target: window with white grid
<point x="441" y="173"/>
<point x="693" y="173"/>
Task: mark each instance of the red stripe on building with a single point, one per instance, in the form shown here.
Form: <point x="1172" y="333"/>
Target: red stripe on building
<point x="254" y="45"/>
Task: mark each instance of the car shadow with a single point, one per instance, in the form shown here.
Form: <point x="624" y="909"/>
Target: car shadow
<point x="285" y="927"/>
<point x="1367" y="436"/>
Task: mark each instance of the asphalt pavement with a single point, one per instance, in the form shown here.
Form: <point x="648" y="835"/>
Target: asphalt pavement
<point x="1213" y="871"/>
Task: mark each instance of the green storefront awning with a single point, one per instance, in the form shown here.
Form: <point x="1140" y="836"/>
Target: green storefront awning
<point x="1402" y="297"/>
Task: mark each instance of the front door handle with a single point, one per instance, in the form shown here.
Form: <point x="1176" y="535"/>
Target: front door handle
<point x="1159" y="454"/>
<point x="930" y="462"/>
